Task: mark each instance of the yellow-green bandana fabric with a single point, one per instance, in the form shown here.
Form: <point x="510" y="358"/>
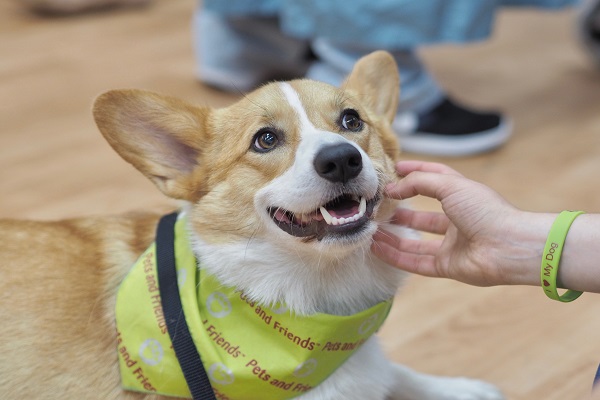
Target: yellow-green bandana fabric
<point x="249" y="351"/>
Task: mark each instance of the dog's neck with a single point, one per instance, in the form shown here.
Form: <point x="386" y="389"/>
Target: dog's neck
<point x="306" y="283"/>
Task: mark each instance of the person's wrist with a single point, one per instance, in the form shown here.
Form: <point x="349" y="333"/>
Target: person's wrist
<point x="522" y="247"/>
<point x="578" y="265"/>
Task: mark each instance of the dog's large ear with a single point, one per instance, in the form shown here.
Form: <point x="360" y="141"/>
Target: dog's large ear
<point x="376" y="80"/>
<point x="161" y="136"/>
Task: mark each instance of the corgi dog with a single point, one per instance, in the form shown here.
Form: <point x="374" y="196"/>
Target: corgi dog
<point x="281" y="194"/>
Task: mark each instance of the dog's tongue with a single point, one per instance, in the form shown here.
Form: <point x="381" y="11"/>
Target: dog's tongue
<point x="343" y="209"/>
<point x="282" y="216"/>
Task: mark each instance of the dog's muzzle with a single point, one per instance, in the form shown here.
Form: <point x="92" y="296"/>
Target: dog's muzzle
<point x="343" y="216"/>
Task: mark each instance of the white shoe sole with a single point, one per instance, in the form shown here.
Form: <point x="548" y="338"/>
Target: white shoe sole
<point x="456" y="145"/>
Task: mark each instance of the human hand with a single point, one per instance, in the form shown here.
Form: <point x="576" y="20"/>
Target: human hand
<point x="479" y="246"/>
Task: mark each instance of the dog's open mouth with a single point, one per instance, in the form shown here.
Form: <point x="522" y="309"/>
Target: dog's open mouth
<point x="344" y="215"/>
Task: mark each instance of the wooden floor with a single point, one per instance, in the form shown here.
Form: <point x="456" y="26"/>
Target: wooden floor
<point x="54" y="164"/>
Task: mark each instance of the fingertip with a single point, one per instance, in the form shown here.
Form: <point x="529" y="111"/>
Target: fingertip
<point x="398" y="259"/>
<point x="394" y="191"/>
<point x="404" y="168"/>
<point x="401" y="216"/>
<point x="400" y="190"/>
<point x="384" y="236"/>
<point x="390" y="187"/>
<point x="385" y="252"/>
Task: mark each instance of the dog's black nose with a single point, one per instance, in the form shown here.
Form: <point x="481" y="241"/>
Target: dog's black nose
<point x="338" y="163"/>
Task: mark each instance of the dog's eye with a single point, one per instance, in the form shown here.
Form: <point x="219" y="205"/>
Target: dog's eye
<point x="265" y="140"/>
<point x="350" y="121"/>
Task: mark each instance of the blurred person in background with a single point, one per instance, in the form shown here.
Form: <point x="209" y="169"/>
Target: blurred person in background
<point x="241" y="44"/>
<point x="588" y="26"/>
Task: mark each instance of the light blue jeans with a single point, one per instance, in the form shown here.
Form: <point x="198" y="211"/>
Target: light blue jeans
<point x="341" y="31"/>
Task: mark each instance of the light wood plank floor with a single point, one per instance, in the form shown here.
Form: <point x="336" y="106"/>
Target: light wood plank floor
<point x="54" y="164"/>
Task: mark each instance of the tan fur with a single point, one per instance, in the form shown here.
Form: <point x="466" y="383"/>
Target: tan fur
<point x="58" y="279"/>
<point x="57" y="293"/>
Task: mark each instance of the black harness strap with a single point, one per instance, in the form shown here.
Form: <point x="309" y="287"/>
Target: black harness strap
<point x="185" y="349"/>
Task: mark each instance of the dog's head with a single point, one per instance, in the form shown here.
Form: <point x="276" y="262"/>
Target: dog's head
<point x="298" y="162"/>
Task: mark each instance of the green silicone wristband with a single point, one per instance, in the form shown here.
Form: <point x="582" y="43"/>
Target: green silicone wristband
<point x="552" y="253"/>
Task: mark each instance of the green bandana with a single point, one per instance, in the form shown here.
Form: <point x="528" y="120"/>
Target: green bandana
<point x="249" y="351"/>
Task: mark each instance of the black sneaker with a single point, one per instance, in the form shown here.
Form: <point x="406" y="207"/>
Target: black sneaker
<point x="589" y="27"/>
<point x="451" y="130"/>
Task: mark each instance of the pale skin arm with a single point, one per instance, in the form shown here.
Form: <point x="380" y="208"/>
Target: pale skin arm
<point x="486" y="241"/>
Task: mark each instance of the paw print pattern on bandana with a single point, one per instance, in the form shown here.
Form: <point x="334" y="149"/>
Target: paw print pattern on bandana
<point x="306" y="368"/>
<point x="219" y="373"/>
<point x="181" y="277"/>
<point x="151" y="352"/>
<point x="368" y="324"/>
<point x="279" y="308"/>
<point x="218" y="305"/>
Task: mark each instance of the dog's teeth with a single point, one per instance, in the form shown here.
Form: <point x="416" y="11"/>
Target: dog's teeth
<point x="331" y="220"/>
<point x="326" y="216"/>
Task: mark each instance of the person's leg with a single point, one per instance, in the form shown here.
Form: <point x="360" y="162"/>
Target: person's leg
<point x="240" y="53"/>
<point x="419" y="90"/>
<point x="427" y="122"/>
